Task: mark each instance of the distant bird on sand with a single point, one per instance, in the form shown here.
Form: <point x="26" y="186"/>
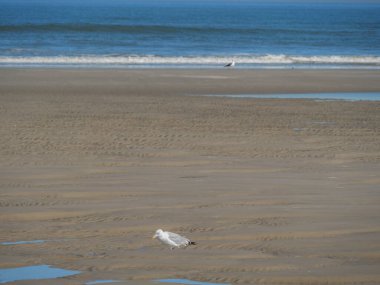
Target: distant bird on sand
<point x="171" y="239"/>
<point x="231" y="64"/>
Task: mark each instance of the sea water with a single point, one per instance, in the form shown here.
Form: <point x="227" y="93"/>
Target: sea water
<point x="180" y="33"/>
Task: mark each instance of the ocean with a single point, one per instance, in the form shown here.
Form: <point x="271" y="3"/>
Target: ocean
<point x="129" y="34"/>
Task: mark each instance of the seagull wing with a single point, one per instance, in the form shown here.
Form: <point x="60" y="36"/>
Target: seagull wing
<point x="177" y="239"/>
<point x="231" y="64"/>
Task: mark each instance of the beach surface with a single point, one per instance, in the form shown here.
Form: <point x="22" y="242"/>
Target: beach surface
<point x="274" y="191"/>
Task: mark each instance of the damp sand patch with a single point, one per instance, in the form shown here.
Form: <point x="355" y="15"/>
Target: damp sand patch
<point x="187" y="282"/>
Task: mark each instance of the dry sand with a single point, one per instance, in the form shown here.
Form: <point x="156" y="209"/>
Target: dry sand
<point x="273" y="191"/>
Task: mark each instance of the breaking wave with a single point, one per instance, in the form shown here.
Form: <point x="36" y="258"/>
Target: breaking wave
<point x="191" y="60"/>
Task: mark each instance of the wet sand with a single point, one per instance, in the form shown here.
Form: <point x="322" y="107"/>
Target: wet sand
<point x="273" y="191"/>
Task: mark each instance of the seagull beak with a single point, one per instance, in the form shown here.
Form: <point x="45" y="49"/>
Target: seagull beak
<point x="153" y="237"/>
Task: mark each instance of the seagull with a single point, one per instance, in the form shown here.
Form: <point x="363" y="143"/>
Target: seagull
<point x="231" y="64"/>
<point x="171" y="239"/>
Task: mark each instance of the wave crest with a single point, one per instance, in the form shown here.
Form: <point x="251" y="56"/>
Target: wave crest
<point x="191" y="60"/>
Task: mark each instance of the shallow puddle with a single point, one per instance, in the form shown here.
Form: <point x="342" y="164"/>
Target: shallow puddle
<point x="187" y="282"/>
<point x="100" y="282"/>
<point x="23" y="242"/>
<point x="33" y="272"/>
<point x="349" y="96"/>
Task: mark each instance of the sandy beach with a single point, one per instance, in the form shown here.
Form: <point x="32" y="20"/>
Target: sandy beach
<point x="274" y="191"/>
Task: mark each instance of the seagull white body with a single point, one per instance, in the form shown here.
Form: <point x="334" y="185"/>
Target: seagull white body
<point x="172" y="239"/>
<point x="231" y="64"/>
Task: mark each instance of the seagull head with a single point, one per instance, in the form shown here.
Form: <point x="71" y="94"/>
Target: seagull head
<point x="157" y="234"/>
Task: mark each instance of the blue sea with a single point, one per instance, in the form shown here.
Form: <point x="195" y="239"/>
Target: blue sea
<point x="180" y="33"/>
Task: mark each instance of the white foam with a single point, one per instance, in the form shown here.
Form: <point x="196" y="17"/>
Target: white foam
<point x="189" y="60"/>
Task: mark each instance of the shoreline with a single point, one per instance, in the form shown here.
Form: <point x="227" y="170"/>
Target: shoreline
<point x="359" y="67"/>
<point x="198" y="81"/>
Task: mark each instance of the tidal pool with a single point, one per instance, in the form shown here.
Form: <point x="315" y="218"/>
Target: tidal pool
<point x="346" y="96"/>
<point x="100" y="282"/>
<point x="33" y="272"/>
<point x="23" y="242"/>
